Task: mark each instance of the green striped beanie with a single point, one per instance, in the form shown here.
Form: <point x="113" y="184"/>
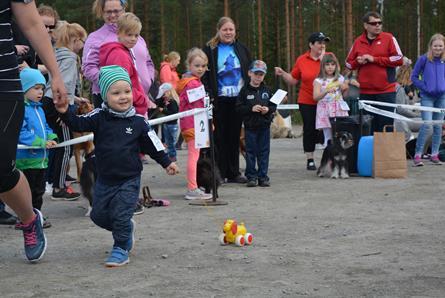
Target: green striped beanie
<point x="108" y="75"/>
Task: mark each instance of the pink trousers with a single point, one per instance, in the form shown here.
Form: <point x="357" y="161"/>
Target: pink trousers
<point x="192" y="162"/>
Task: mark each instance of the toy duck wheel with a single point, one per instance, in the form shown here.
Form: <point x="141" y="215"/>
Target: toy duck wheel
<point x="222" y="239"/>
<point x="240" y="241"/>
<point x="249" y="238"/>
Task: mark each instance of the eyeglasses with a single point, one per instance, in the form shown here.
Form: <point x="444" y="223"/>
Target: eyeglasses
<point x="375" y="23"/>
<point x="111" y="12"/>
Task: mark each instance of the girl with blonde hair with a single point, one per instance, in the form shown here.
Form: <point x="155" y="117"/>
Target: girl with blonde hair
<point x="70" y="39"/>
<point x="429" y="77"/>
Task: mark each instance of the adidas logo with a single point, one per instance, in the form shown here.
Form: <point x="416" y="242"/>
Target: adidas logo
<point x="129" y="130"/>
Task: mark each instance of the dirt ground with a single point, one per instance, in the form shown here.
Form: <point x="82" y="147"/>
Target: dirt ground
<point x="313" y="237"/>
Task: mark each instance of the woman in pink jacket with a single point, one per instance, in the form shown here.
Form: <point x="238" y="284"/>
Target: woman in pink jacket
<point x="167" y="71"/>
<point x="109" y="11"/>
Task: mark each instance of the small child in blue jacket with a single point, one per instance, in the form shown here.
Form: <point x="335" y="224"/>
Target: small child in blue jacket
<point x="35" y="132"/>
<point x="119" y="137"/>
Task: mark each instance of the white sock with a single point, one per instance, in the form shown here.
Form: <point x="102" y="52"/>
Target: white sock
<point x="327" y="132"/>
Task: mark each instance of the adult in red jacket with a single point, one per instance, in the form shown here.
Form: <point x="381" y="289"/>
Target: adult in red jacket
<point x="115" y="53"/>
<point x="306" y="69"/>
<point x="376" y="55"/>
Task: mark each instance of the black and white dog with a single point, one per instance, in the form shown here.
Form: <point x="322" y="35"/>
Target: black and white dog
<point x="204" y="171"/>
<point x="88" y="178"/>
<point x="334" y="162"/>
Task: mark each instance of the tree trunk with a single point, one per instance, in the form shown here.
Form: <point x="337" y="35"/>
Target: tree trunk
<point x="293" y="29"/>
<point x="349" y="28"/>
<point x="317" y="15"/>
<point x="300" y="27"/>
<point x="277" y="34"/>
<point x="226" y="8"/>
<point x="419" y="28"/>
<point x="260" y="31"/>
<point x="161" y="18"/>
<point x="132" y="5"/>
<point x="145" y="20"/>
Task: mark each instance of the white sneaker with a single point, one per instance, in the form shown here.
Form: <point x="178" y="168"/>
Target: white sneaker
<point x="320" y="146"/>
<point x="197" y="194"/>
<point x="48" y="188"/>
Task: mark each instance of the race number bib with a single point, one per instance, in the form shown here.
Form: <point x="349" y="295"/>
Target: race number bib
<point x="196" y="93"/>
<point x="155" y="140"/>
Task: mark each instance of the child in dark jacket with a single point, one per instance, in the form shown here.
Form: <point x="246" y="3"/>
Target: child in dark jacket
<point x="167" y="101"/>
<point x="119" y="137"/>
<point x="256" y="110"/>
<point x="35" y="132"/>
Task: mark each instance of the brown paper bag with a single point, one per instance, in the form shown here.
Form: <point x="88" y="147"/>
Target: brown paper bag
<point x="389" y="155"/>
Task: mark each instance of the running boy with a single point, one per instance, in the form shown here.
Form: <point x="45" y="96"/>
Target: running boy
<point x="119" y="137"/>
<point x="256" y="109"/>
<point x="35" y="132"/>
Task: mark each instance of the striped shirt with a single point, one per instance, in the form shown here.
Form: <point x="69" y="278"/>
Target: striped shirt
<point x="9" y="71"/>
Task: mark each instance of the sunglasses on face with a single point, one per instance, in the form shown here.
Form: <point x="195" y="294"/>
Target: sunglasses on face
<point x="50" y="27"/>
<point x="375" y="23"/>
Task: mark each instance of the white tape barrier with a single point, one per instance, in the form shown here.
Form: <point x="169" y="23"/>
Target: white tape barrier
<point x="160" y="120"/>
<point x="288" y="107"/>
<point x="364" y="104"/>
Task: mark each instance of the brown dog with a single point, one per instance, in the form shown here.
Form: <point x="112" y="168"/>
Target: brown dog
<point x="86" y="147"/>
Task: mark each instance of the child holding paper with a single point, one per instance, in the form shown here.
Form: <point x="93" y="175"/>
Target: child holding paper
<point x="256" y="110"/>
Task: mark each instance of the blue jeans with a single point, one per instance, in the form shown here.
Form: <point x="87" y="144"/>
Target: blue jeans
<point x="113" y="207"/>
<point x="257" y="150"/>
<point x="436" y="102"/>
<point x="170" y="132"/>
<point x="2" y="206"/>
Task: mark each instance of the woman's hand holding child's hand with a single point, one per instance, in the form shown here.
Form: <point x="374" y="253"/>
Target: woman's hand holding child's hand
<point x="172" y="169"/>
<point x="51" y="144"/>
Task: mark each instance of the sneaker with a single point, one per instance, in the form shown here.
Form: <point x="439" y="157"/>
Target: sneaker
<point x="130" y="243"/>
<point x="197" y="194"/>
<point x="7" y="218"/>
<point x="70" y="179"/>
<point x="118" y="257"/>
<point x="48" y="187"/>
<point x="264" y="183"/>
<point x="139" y="209"/>
<point x="435" y="159"/>
<point x="311" y="165"/>
<point x="46" y="223"/>
<point x="418" y="161"/>
<point x="35" y="240"/>
<point x="67" y="194"/>
<point x="238" y="179"/>
<point x="251" y="183"/>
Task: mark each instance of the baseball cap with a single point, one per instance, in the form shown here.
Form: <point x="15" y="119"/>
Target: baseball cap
<point x="318" y="36"/>
<point x="258" y="65"/>
<point x="164" y="88"/>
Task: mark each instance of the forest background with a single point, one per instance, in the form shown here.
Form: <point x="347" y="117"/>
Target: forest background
<point x="275" y="31"/>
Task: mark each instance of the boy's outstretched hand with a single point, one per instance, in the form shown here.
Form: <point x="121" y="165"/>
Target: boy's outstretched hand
<point x="172" y="169"/>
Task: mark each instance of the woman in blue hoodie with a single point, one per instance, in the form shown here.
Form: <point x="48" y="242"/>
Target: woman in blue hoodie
<point x="429" y="77"/>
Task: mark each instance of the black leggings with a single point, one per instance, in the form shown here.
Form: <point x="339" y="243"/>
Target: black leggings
<point x="227" y="134"/>
<point x="11" y="118"/>
<point x="310" y="133"/>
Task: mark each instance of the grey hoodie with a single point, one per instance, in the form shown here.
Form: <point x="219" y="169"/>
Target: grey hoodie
<point x="68" y="67"/>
